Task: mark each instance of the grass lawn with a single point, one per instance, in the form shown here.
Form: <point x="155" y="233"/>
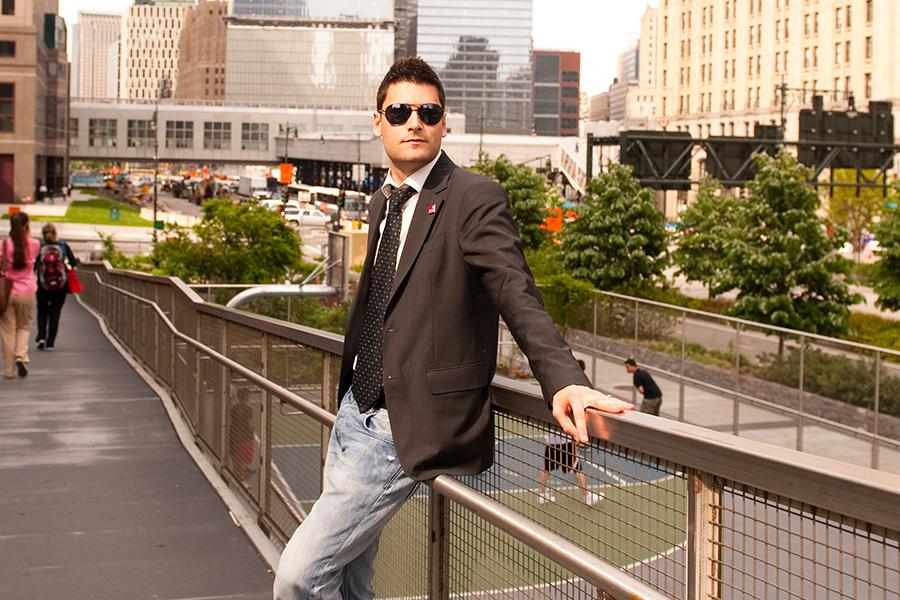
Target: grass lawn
<point x="96" y="212"/>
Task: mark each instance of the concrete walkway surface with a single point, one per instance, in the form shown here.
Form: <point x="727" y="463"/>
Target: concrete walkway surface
<point x="98" y="498"/>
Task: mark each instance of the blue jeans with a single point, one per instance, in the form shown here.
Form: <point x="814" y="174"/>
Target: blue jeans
<point x="332" y="554"/>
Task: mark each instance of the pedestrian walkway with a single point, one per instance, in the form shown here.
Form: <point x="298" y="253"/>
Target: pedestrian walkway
<point x="99" y="499"/>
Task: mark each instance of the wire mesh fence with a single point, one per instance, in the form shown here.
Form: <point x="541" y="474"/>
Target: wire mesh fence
<point x="663" y="507"/>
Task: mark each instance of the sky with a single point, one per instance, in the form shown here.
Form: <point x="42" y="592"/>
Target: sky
<point x="599" y="29"/>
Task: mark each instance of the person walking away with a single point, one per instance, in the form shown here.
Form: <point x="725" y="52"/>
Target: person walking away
<point x="18" y="254"/>
<point x="55" y="258"/>
<point x="645" y="384"/>
<point x="444" y="261"/>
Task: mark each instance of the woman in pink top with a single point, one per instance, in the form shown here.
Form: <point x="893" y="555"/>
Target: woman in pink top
<point x="18" y="254"/>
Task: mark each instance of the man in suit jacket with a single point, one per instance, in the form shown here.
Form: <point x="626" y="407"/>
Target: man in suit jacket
<point x="442" y="266"/>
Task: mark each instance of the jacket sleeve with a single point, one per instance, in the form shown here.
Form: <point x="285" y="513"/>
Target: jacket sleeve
<point x="490" y="244"/>
<point x="73" y="262"/>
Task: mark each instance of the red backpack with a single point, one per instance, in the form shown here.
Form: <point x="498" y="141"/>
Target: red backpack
<point x="51" y="268"/>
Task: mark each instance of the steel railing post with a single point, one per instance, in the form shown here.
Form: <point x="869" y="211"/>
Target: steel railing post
<point x="594" y="343"/>
<point x="223" y="402"/>
<point x="875" y="443"/>
<point x="683" y="357"/>
<point x="265" y="417"/>
<point x="736" y="418"/>
<point x="330" y="403"/>
<point x="438" y="546"/>
<point x="704" y="530"/>
<point x="800" y="393"/>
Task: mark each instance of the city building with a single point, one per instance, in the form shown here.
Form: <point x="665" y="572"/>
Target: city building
<point x="148" y="47"/>
<point x="95" y="74"/>
<point x="556" y="92"/>
<point x="721" y="66"/>
<point x="599" y="107"/>
<point x="33" y="98"/>
<point x="482" y="51"/>
<point x="201" y="52"/>
<point x="311" y="63"/>
<point x="268" y="8"/>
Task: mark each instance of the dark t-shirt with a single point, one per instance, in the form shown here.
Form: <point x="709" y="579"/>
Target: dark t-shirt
<point x="643" y="379"/>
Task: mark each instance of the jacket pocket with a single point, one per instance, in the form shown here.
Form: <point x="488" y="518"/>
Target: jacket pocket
<point x="455" y="379"/>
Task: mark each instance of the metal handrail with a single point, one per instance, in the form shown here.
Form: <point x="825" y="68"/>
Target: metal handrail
<point x="594" y="570"/>
<point x="754" y="324"/>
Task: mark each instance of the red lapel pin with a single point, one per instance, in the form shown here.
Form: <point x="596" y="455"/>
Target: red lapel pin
<point x="431" y="209"/>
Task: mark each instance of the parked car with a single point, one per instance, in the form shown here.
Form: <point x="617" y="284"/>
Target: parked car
<point x="305" y="216"/>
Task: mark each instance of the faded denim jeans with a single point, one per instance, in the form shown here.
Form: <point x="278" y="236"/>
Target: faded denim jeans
<point x="332" y="554"/>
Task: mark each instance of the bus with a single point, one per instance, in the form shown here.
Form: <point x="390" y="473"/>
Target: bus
<point x="353" y="204"/>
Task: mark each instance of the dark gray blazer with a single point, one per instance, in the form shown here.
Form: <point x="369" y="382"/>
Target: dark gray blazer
<point x="461" y="268"/>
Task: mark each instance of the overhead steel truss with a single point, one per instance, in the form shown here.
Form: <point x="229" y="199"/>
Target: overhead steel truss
<point x="668" y="175"/>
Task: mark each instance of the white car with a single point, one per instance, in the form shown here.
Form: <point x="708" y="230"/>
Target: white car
<point x="276" y="204"/>
<point x="305" y="217"/>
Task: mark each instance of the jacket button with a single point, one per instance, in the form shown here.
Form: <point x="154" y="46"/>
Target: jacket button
<point x="390" y="376"/>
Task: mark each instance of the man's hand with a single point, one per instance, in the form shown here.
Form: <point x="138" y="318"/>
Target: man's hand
<point x="569" y="404"/>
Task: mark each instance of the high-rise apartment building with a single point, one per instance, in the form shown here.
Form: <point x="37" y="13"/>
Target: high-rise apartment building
<point x="201" y="52"/>
<point x="148" y="47"/>
<point x="96" y="33"/>
<point x="721" y="64"/>
<point x="647" y="47"/>
<point x="556" y="92"/>
<point x="33" y="98"/>
<point x="482" y="51"/>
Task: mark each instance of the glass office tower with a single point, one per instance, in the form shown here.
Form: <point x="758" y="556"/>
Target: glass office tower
<point x="482" y="51"/>
<point x="268" y="8"/>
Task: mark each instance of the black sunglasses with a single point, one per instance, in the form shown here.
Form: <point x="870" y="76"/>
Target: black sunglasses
<point x="398" y="114"/>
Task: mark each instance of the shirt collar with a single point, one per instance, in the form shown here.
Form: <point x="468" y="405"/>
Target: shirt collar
<point x="416" y="181"/>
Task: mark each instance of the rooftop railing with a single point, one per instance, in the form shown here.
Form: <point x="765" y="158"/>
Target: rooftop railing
<point x="666" y="509"/>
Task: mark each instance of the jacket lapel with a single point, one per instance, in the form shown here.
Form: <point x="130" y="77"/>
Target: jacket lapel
<point x="427" y="209"/>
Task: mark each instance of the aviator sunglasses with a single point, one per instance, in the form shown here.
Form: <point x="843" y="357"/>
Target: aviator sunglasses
<point x="398" y="114"/>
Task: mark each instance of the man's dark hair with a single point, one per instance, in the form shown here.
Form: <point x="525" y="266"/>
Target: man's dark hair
<point x="630" y="362"/>
<point x="411" y="70"/>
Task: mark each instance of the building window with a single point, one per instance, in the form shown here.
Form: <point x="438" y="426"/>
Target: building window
<point x="838" y="53"/>
<point x="847" y="51"/>
<point x="254" y="136"/>
<point x="847" y="14"/>
<point x="570" y="76"/>
<point x="868" y="85"/>
<point x="73" y="131"/>
<point x="838" y="18"/>
<point x="7" y="106"/>
<point x="179" y="134"/>
<point x="9" y="7"/>
<point x="216" y="135"/>
<point x="870" y="10"/>
<point x="869" y="47"/>
<point x="569" y="92"/>
<point x="7" y="49"/>
<point x="140" y="133"/>
<point x="568" y="108"/>
<point x="102" y="133"/>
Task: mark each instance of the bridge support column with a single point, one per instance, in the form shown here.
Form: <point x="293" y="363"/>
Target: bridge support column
<point x="703" y="536"/>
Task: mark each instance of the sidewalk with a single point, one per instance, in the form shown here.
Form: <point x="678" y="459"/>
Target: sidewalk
<point x="100" y="500"/>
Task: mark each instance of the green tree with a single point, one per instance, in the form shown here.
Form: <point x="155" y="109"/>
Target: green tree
<point x="529" y="195"/>
<point x="854" y="213"/>
<point x="887" y="269"/>
<point x="618" y="240"/>
<point x="234" y="243"/>
<point x="780" y="258"/>
<point x="702" y="233"/>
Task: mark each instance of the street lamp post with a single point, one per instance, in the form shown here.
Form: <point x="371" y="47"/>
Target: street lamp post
<point x="163" y="90"/>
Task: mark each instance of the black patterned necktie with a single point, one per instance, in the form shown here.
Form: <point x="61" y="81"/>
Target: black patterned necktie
<point x="367" y="376"/>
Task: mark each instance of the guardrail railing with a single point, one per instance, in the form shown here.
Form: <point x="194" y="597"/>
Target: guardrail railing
<point x="655" y="509"/>
<point x="794" y="382"/>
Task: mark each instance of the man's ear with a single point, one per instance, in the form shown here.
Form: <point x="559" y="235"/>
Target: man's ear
<point x="376" y="124"/>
